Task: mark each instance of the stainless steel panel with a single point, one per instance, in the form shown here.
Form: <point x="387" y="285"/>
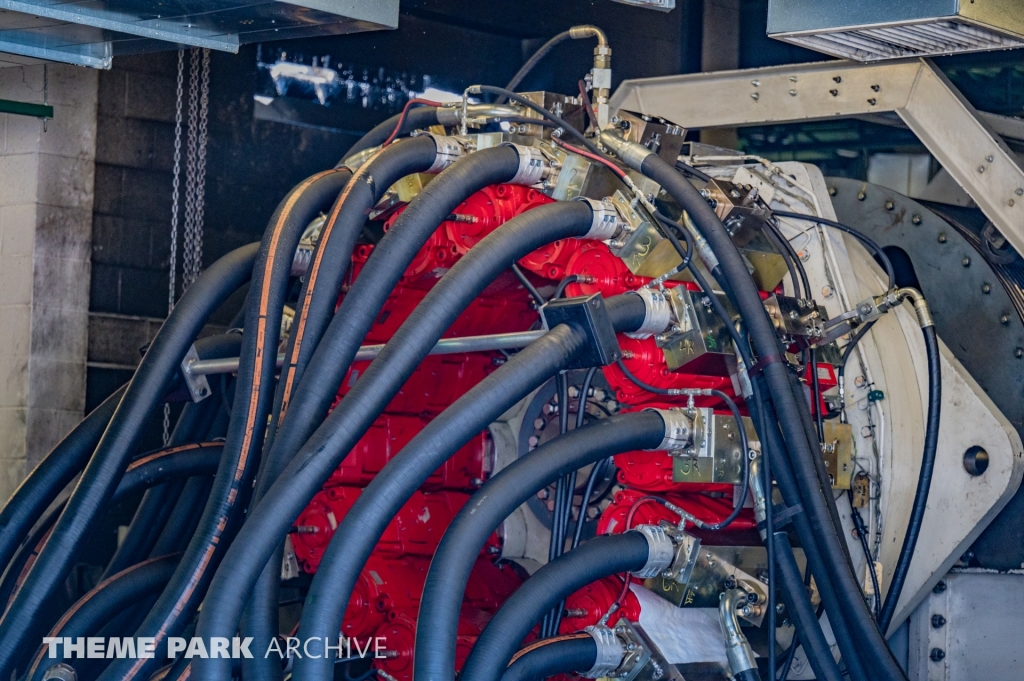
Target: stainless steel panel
<point x="92" y="32"/>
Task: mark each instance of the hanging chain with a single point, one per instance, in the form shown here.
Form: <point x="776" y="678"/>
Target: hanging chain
<point x="199" y="187"/>
<point x="175" y="186"/>
<point x="195" y="180"/>
<point x="191" y="162"/>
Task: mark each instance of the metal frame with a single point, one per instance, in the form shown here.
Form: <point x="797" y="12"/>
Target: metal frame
<point x="955" y="133"/>
<point x="93" y="32"/>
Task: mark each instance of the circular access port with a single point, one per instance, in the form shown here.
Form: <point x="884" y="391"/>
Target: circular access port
<point x="975" y="461"/>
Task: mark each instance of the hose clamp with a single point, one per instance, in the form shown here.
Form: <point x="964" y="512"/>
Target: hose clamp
<point x="657" y="313"/>
<point x="449" y="150"/>
<point x="679" y="429"/>
<point x="532" y="165"/>
<point x="609" y="652"/>
<point x="660" y="551"/>
<point x="606" y="223"/>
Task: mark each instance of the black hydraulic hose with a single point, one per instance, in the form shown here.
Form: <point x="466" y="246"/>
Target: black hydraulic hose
<point x="113" y="595"/>
<point x="154" y="468"/>
<point x="860" y="236"/>
<point x="532" y="62"/>
<point x="121" y="438"/>
<point x="747" y="675"/>
<point x="365" y="522"/>
<point x="441" y="602"/>
<point x="416" y="118"/>
<point x="602" y="556"/>
<point x="271" y="518"/>
<point x="312" y="398"/>
<point x="800" y="443"/>
<point x="801" y="613"/>
<point x="156" y="505"/>
<point x="318" y="299"/>
<point x="561" y="655"/>
<point x="247" y="426"/>
<point x="50" y="476"/>
<point x="771" y="439"/>
<point x="357" y="535"/>
<point x="924" y="481"/>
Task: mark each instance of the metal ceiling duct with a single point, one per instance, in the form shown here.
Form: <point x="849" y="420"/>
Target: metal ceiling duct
<point x="873" y="30"/>
<point x="93" y="32"/>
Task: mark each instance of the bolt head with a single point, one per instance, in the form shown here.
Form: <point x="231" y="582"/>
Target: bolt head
<point x="942" y="238"/>
<point x="937" y="654"/>
<point x="916" y="219"/>
<point x="986" y="288"/>
<point x="1019" y="353"/>
<point x="966" y="262"/>
<point x="939" y="588"/>
<point x="889" y="205"/>
<point x="938" y="621"/>
<point x="1004" y="319"/>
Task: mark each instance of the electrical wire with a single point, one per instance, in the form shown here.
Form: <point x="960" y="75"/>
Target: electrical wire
<point x="588" y="106"/>
<point x="528" y="285"/>
<point x="860" y="236"/>
<point x="405" y="112"/>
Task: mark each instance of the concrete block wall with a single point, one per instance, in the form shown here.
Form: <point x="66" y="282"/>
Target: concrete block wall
<point x="46" y="204"/>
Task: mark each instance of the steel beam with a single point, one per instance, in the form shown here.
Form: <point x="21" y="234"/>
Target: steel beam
<point x="951" y="129"/>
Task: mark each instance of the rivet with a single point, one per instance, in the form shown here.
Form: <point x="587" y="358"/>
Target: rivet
<point x="966" y="262"/>
<point x="889" y="205"/>
<point x="942" y="237"/>
<point x="986" y="288"/>
<point x="916" y="219"/>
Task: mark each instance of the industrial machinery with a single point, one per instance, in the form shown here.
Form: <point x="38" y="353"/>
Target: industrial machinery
<point x="531" y="385"/>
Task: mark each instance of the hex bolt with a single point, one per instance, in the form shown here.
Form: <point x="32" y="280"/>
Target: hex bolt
<point x="938" y="621"/>
<point x="986" y="288"/>
<point x="1004" y="319"/>
<point x="837" y="79"/>
<point x="937" y="655"/>
<point x="1019" y="191"/>
<point x="872" y="101"/>
<point x="834" y="93"/>
<point x="981" y="169"/>
<point x="990" y="158"/>
<point x="832" y="191"/>
<point x="861" y="195"/>
<point x="792" y="93"/>
<point x="1019" y="353"/>
<point x="889" y="205"/>
<point x="942" y="237"/>
<point x="966" y="262"/>
<point x="939" y="588"/>
<point x="916" y="219"/>
<point x="755" y="96"/>
<point x="876" y="88"/>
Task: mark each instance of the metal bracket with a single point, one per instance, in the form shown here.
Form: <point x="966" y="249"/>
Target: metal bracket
<point x="198" y="386"/>
<point x="956" y="134"/>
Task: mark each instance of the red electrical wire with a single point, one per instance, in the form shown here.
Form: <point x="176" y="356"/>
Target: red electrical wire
<point x="405" y="112"/>
<point x="593" y="157"/>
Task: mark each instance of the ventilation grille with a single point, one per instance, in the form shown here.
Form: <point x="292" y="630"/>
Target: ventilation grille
<point x="909" y="40"/>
